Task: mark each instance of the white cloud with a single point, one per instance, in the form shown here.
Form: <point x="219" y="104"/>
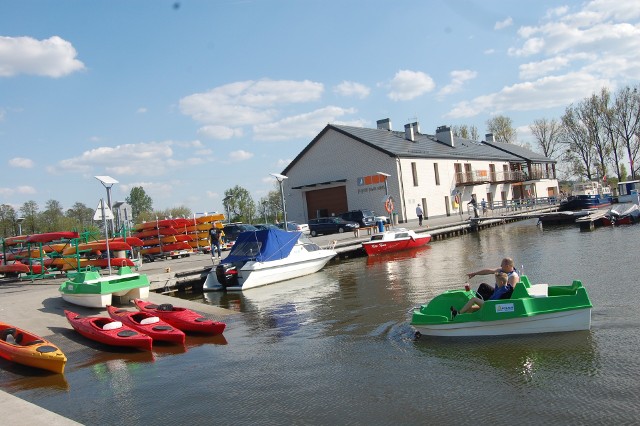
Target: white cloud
<point x="489" y="51"/>
<point x="458" y="78"/>
<point x="302" y="126"/>
<point x="503" y="24"/>
<point x="24" y="163"/>
<point x="349" y="88"/>
<point x="407" y="85"/>
<point x="530" y="47"/>
<point x="53" y="57"/>
<point x="283" y="162"/>
<point x="220" y="132"/>
<point x="248" y="102"/>
<point x="21" y="190"/>
<point x="143" y="159"/>
<point x="141" y="110"/>
<point x="240" y="155"/>
<point x="547" y="92"/>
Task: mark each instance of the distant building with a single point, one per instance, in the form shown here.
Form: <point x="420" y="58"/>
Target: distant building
<point x="342" y="169"/>
<point x="122" y="215"/>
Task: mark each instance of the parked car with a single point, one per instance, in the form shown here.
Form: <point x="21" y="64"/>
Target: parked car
<point x="231" y="231"/>
<point x="263" y="226"/>
<point x="363" y="217"/>
<point x="293" y="226"/>
<point x="385" y="219"/>
<point x="330" y="225"/>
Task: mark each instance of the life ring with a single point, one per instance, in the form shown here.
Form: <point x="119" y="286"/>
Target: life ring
<point x="388" y="205"/>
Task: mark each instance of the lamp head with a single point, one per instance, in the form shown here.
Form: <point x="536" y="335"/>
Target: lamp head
<point x="279" y="176"/>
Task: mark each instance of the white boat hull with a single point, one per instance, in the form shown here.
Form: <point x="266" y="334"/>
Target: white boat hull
<point x="102" y="300"/>
<point x="256" y="274"/>
<point x="574" y="320"/>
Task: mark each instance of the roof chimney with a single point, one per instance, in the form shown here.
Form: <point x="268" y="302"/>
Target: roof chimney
<point x="416" y="126"/>
<point x="384" y="124"/>
<point x="445" y="135"/>
<point x="489" y="138"/>
<point x="409" y="133"/>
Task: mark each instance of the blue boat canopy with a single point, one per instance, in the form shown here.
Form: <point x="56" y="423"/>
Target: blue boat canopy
<point x="262" y="246"/>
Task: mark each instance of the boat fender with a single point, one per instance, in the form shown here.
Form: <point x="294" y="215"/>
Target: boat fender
<point x="149" y="320"/>
<point x="114" y="325"/>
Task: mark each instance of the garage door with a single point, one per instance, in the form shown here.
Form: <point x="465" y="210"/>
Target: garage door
<point x="325" y="202"/>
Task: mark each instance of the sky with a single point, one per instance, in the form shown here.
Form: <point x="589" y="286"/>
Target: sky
<point x="190" y="98"/>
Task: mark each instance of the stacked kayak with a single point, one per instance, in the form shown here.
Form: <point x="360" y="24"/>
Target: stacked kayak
<point x="181" y="318"/>
<point x="22" y="347"/>
<point x="148" y="324"/>
<point x="161" y="238"/>
<point x="108" y="331"/>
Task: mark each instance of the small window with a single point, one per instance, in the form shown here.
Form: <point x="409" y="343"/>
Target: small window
<point x="436" y="173"/>
<point x="402" y="235"/>
<point x="376" y="237"/>
<point x="414" y="170"/>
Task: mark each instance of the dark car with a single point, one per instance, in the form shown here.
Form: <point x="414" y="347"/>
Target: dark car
<point x="330" y="225"/>
<point x="231" y="231"/>
<point x="263" y="226"/>
<point x="363" y="217"/>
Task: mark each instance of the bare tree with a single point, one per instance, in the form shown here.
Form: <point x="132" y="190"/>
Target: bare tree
<point x="627" y="117"/>
<point x="580" y="151"/>
<point x="592" y="111"/>
<point x="502" y="129"/>
<point x="548" y="136"/>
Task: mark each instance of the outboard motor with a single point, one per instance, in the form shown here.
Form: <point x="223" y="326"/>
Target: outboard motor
<point x="227" y="275"/>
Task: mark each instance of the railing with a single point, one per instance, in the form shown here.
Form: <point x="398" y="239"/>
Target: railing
<point x="483" y="176"/>
<point x="498" y="208"/>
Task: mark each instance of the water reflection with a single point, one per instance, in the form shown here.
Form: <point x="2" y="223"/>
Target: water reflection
<point x="21" y="378"/>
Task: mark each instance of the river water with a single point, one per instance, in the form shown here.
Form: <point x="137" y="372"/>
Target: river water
<point x="336" y="348"/>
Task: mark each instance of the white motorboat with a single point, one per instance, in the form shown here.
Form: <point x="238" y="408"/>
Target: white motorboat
<point x="267" y="256"/>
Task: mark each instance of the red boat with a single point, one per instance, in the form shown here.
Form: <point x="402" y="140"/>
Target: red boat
<point x="51" y="236"/>
<point x="181" y="318"/>
<point x="108" y="331"/>
<point x="394" y="240"/>
<point x="148" y="324"/>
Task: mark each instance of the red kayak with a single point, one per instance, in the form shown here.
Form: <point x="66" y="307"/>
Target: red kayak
<point x="108" y="331"/>
<point x="181" y="318"/>
<point x="148" y="324"/>
<point x="51" y="236"/>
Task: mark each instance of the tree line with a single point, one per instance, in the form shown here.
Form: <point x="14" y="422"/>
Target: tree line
<point x="593" y="139"/>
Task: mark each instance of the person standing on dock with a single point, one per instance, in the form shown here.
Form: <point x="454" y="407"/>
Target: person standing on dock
<point x="483" y="204"/>
<point x="215" y="237"/>
<point x="474" y="204"/>
<point x="419" y="213"/>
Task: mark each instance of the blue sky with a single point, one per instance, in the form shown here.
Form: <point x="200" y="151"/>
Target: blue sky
<point x="189" y="98"/>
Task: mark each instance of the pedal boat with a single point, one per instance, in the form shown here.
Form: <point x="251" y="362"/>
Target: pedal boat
<point x="537" y="308"/>
<point x="92" y="290"/>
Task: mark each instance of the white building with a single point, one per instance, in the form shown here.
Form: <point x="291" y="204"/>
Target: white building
<point x="342" y="169"/>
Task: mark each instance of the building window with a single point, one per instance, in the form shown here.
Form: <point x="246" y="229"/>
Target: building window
<point x="414" y="170"/>
<point x="437" y="173"/>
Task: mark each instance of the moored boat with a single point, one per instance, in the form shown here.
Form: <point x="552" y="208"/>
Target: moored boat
<point x="92" y="290"/>
<point x="181" y="318"/>
<point x="23" y="347"/>
<point x="108" y="331"/>
<point x="148" y="324"/>
<point x="265" y="257"/>
<point x="622" y="214"/>
<point x="394" y="240"/>
<point x="537" y="308"/>
<point x="587" y="195"/>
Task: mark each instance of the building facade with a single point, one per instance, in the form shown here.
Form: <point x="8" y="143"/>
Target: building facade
<point x="349" y="168"/>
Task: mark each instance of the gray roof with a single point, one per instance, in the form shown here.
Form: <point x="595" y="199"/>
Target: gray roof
<point x="394" y="144"/>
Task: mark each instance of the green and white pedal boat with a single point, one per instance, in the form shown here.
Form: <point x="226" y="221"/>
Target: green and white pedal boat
<point x="92" y="290"/>
<point x="537" y="308"/>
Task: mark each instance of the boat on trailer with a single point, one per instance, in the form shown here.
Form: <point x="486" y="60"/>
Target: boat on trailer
<point x="532" y="308"/>
<point x="394" y="240"/>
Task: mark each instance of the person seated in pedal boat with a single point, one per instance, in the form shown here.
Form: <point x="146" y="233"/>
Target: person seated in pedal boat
<point x="506" y="266"/>
<point x="502" y="290"/>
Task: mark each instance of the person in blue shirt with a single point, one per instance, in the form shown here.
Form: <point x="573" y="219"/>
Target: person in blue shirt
<point x="501" y="289"/>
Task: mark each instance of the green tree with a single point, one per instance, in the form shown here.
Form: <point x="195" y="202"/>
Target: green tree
<point x="51" y="217"/>
<point x="240" y="205"/>
<point x="140" y="203"/>
<point x="502" y="129"/>
<point x="81" y="216"/>
<point x="270" y="207"/>
<point x="8" y="226"/>
<point x="29" y="212"/>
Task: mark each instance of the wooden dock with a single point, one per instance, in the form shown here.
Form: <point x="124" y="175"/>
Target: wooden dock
<point x="590" y="221"/>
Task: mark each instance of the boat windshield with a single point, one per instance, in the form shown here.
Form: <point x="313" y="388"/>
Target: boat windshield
<point x="247" y="248"/>
<point x="308" y="244"/>
<point x="402" y="235"/>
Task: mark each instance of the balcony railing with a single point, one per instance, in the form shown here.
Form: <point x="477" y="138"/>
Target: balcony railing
<point x="476" y="177"/>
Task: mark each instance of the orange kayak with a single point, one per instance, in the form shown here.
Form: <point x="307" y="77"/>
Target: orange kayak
<point x="23" y="347"/>
<point x="98" y="246"/>
<point x="155" y="232"/>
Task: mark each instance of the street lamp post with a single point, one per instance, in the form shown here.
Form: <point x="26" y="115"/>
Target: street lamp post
<point x="280" y="179"/>
<point x="19" y="222"/>
<point x="107" y="182"/>
<point x="225" y="201"/>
